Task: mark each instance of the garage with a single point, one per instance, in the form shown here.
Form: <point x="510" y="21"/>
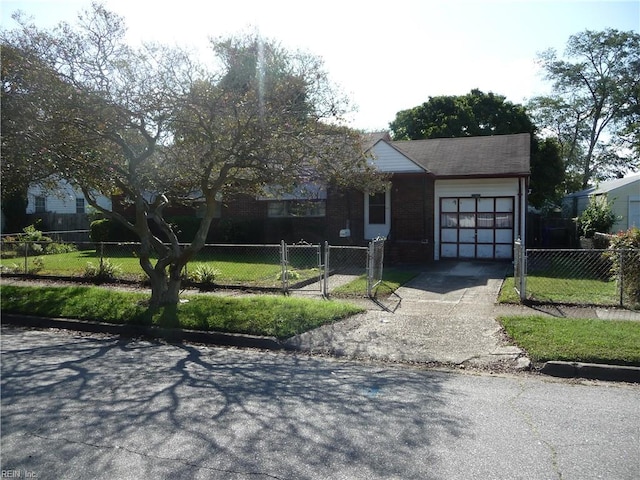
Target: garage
<point x="477" y="227"/>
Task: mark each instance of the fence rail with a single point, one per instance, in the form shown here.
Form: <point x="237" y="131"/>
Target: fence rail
<point x="607" y="277"/>
<point x="289" y="268"/>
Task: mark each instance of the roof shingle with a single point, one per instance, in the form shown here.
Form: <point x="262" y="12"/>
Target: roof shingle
<point x="497" y="155"/>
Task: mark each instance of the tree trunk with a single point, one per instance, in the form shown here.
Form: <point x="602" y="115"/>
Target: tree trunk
<point x="165" y="290"/>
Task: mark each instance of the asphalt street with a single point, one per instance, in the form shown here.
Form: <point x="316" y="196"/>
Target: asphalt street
<point x="97" y="406"/>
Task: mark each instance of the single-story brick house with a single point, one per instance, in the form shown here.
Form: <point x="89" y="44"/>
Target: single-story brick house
<point x="448" y="198"/>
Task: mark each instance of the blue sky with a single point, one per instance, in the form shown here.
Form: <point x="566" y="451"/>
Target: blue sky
<point x="386" y="56"/>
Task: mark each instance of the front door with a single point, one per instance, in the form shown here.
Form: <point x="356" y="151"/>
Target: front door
<point x="377" y="214"/>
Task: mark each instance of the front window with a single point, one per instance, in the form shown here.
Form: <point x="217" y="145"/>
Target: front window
<point x="79" y="205"/>
<point x="297" y="208"/>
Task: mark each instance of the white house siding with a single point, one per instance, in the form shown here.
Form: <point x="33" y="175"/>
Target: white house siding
<point x="60" y="200"/>
<point x="625" y="204"/>
<point x="623" y="194"/>
<point x="389" y="160"/>
<point x="500" y="189"/>
<point x="634" y="211"/>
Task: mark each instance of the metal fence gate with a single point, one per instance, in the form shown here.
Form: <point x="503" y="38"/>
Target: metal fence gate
<point x="302" y="267"/>
<point x="375" y="261"/>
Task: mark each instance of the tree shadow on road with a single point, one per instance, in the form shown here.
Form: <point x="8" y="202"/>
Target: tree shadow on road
<point x="107" y="404"/>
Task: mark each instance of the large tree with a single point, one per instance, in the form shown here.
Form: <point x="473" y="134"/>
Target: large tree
<point x="153" y="126"/>
<point x="476" y="114"/>
<point x="593" y="110"/>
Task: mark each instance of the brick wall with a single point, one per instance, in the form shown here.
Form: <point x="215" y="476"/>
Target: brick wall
<point x="412" y="207"/>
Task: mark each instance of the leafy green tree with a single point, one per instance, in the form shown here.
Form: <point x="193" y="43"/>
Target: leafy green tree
<point x="477" y="114"/>
<point x="593" y="111"/>
<point x="156" y="128"/>
<point x="474" y="114"/>
<point x="26" y="135"/>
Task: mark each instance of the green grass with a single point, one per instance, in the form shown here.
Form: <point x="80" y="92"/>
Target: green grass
<point x="244" y="268"/>
<point x="264" y="315"/>
<point x="576" y="340"/>
<point x="576" y="291"/>
<point x="392" y="279"/>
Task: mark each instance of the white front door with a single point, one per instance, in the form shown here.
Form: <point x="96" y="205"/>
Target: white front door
<point x="377" y="214"/>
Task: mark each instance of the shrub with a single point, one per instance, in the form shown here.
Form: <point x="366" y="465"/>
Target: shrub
<point x="626" y="261"/>
<point x="31" y="241"/>
<point x="597" y="217"/>
<point x="204" y="274"/>
<point x="37" y="265"/>
<point x="105" y="270"/>
<point x="54" y="248"/>
<point x="99" y="230"/>
<point x="291" y="275"/>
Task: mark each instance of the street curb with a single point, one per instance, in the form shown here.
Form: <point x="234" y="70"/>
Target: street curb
<point x="593" y="371"/>
<point x="168" y="334"/>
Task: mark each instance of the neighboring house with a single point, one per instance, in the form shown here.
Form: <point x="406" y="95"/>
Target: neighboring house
<point x="60" y="208"/>
<point x="623" y="194"/>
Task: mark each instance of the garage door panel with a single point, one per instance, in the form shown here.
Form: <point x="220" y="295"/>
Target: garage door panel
<point x="449" y="250"/>
<point x="467" y="236"/>
<point x="504" y="251"/>
<point x="466" y="251"/>
<point x="485" y="251"/>
<point x="449" y="235"/>
<point x="504" y="235"/>
<point x="485" y="236"/>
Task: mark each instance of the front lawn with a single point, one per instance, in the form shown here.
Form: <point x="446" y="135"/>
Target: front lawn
<point x="578" y="291"/>
<point x="265" y="315"/>
<point x="259" y="269"/>
<point x="575" y="339"/>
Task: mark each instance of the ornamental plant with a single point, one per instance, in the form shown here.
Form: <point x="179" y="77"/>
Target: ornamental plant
<point x="625" y="256"/>
<point x="597" y="217"/>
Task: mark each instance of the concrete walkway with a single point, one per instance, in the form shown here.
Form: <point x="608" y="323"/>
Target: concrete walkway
<point x="446" y="315"/>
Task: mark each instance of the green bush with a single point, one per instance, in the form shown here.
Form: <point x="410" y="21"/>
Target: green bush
<point x="597" y="217"/>
<point x="626" y="261"/>
<point x="55" y="248"/>
<point x="204" y="274"/>
<point x="105" y="270"/>
<point x="99" y="230"/>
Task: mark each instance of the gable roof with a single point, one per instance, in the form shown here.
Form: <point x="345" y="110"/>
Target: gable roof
<point x="369" y="139"/>
<point x="606" y="187"/>
<point x="496" y="155"/>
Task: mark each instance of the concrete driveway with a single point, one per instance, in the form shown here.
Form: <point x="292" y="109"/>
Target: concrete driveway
<point x="446" y="315"/>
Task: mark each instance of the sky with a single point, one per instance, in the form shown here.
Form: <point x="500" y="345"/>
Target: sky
<point x="386" y="56"/>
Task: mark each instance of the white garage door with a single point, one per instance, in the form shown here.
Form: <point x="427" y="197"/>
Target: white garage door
<point x="476" y="227"/>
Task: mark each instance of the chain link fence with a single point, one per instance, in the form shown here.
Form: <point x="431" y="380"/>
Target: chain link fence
<point x="301" y="267"/>
<point x="606" y="277"/>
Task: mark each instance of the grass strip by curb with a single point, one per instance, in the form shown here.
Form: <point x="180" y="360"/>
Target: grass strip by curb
<point x="262" y="315"/>
<point x="576" y="339"/>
